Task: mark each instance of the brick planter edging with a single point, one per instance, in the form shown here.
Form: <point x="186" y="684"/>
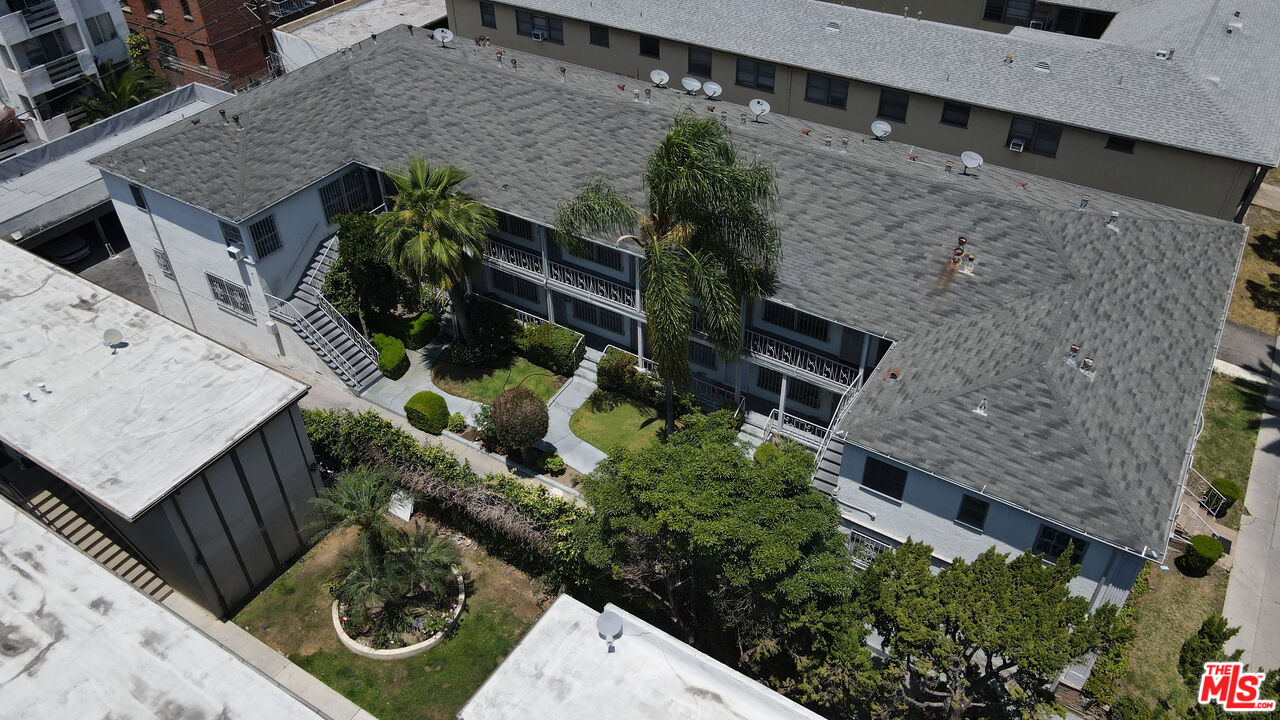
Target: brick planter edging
<point x="409" y="650"/>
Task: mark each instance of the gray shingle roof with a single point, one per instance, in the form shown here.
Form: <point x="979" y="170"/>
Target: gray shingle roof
<point x="865" y="234"/>
<point x="1114" y="87"/>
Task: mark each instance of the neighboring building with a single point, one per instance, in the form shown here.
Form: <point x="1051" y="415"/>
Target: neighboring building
<point x="1172" y="105"/>
<point x="867" y="284"/>
<point x="565" y="668"/>
<point x="79" y="642"/>
<point x="1084" y="18"/>
<point x="327" y="31"/>
<point x="178" y="454"/>
<point x="45" y="46"/>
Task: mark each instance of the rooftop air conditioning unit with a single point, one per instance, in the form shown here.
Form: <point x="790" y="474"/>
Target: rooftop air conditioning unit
<point x="539" y="35"/>
<point x="1017" y="145"/>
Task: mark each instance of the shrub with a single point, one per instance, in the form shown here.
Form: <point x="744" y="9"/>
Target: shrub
<point x="484" y="426"/>
<point x="551" y="346"/>
<point x="1231" y="492"/>
<point x="414" y="332"/>
<point x="457" y="423"/>
<point x="519" y="417"/>
<point x="766" y="452"/>
<point x="617" y="372"/>
<point x="1207" y="645"/>
<point x="553" y="464"/>
<point x="1131" y="707"/>
<point x="1202" y="552"/>
<point x="393" y="361"/>
<point x="428" y="412"/>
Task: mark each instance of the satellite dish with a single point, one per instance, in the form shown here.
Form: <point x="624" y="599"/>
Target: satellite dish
<point x="881" y="129"/>
<point x="759" y="107"/>
<point x="112" y="339"/>
<point x="444" y="35"/>
<point x="693" y="85"/>
<point x="712" y="89"/>
<point x="970" y="159"/>
<point x="659" y="77"/>
<point x="609" y="625"/>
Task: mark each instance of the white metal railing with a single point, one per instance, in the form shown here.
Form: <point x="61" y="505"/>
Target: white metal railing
<point x="805" y="432"/>
<point x="283" y="310"/>
<point x="283" y="8"/>
<point x="1204" y="491"/>
<point x="842" y="410"/>
<point x="607" y="289"/>
<point x="515" y="257"/>
<point x="644" y="365"/>
<point x="362" y="343"/>
<point x="1198" y="525"/>
<point x="864" y="548"/>
<point x="714" y="393"/>
<point x="772" y="348"/>
<point x="522" y="317"/>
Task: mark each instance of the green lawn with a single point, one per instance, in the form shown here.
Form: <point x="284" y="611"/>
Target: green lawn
<point x="292" y="616"/>
<point x="1256" y="300"/>
<point x="1232" y="413"/>
<point x="607" y="420"/>
<point x="484" y="385"/>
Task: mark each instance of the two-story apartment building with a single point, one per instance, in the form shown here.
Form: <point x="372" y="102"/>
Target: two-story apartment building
<point x="1172" y="105"/>
<point x="906" y="289"/>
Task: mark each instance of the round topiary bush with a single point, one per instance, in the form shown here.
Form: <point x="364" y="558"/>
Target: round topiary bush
<point x="519" y="418"/>
<point x="393" y="361"/>
<point x="428" y="412"/>
<point x="1231" y="492"/>
<point x="766" y="452"/>
<point x="1202" y="553"/>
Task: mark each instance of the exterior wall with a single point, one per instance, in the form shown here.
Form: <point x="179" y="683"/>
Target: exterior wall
<point x="1189" y="180"/>
<point x="295" y="51"/>
<point x="927" y="511"/>
<point x="228" y="35"/>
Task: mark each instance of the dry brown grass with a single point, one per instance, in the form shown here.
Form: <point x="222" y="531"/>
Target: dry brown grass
<point x="1256" y="300"/>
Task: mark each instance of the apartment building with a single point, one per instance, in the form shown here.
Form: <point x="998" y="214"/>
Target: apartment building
<point x="934" y="335"/>
<point x="324" y="32"/>
<point x="45" y="46"/>
<point x="1172" y="104"/>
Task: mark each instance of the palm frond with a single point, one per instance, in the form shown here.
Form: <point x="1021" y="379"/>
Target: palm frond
<point x="598" y="209"/>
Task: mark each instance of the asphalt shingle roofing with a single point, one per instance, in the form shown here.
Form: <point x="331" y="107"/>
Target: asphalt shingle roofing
<point x="865" y="236"/>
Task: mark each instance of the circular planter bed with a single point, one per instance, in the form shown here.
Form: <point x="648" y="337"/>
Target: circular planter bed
<point x="418" y="648"/>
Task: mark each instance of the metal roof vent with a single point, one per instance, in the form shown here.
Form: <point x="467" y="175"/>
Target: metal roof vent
<point x="982" y="407"/>
<point x="1073" y="354"/>
<point x="833" y="26"/>
<point x="1165" y="54"/>
<point x="1235" y="26"/>
<point x="1042" y="65"/>
<point x="893" y="374"/>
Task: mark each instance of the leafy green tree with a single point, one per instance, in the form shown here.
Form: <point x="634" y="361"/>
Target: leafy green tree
<point x="980" y="637"/>
<point x="744" y="558"/>
<point x="435" y="232"/>
<point x="362" y="280"/>
<point x="115" y="91"/>
<point x="707" y="237"/>
<point x="519" y="418"/>
<point x="139" y="48"/>
<point x="1207" y="645"/>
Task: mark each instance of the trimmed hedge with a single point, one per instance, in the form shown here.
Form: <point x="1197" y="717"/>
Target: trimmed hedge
<point x="1202" y="553"/>
<point x="393" y="361"/>
<point x="428" y="412"/>
<point x="414" y="332"/>
<point x="551" y="346"/>
<point x="1231" y="491"/>
<point x="617" y="372"/>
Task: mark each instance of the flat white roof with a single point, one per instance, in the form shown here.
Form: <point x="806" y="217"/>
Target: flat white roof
<point x="349" y="22"/>
<point x="126" y="428"/>
<point x="562" y="669"/>
<point x="80" y="641"/>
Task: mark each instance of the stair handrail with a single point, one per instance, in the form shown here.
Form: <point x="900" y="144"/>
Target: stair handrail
<point x="1206" y="494"/>
<point x="291" y="315"/>
<point x="1208" y="529"/>
<point x="842" y="409"/>
<point x="361" y="342"/>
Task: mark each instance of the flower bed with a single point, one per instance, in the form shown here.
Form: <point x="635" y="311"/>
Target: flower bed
<point x="444" y="621"/>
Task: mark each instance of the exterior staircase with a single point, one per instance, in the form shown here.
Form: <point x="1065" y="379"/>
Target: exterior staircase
<point x="587" y="368"/>
<point x="351" y="357"/>
<point x="752" y="431"/>
<point x="826" y="478"/>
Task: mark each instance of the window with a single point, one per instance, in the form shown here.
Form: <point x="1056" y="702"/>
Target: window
<point x="1036" y="136"/>
<point x="599" y="317"/>
<point x="162" y="259"/>
<point x="231" y="235"/>
<point x="265" y="238"/>
<point x="166" y="50"/>
<point x="138" y="198"/>
<point x="347" y="194"/>
<point x="1052" y="543"/>
<point x="1120" y="144"/>
<point x="1015" y="12"/>
<point x="769" y="380"/>
<point x="702" y="355"/>
<point x="791" y="319"/>
<point x="599" y="35"/>
<point x="601" y="255"/>
<point x="513" y="285"/>
<point x="972" y="512"/>
<point x="230" y="296"/>
<point x="954" y="113"/>
<point x="649" y="46"/>
<point x="515" y="226"/>
<point x="101" y="29"/>
<point x="893" y="105"/>
<point x="879" y="476"/>
<point x="826" y="90"/>
<point x="488" y="17"/>
<point x="186" y="8"/>
<point x="755" y="74"/>
<point x="545" y="27"/>
<point x="804" y="393"/>
<point x="700" y="61"/>
<point x="200" y="59"/>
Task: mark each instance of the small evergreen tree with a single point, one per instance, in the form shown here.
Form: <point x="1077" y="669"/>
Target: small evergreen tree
<point x="1207" y="645"/>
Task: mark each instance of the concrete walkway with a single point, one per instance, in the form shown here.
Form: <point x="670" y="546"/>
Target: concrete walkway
<point x="1253" y="590"/>
<point x="1268" y="196"/>
<point x="577" y="453"/>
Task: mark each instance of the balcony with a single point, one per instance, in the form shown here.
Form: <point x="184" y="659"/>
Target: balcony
<point x="813" y="364"/>
<point x="864" y="548"/>
<point x="284" y="8"/>
<point x="21" y="25"/>
<point x="43" y="78"/>
<point x="607" y="290"/>
<point x="64" y="68"/>
<point x="512" y="256"/>
<point x="806" y="432"/>
<point x="39" y="15"/>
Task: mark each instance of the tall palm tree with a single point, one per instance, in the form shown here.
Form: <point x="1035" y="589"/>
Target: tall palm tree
<point x="358" y="499"/>
<point x="436" y="232"/>
<point x="707" y="234"/>
<point x="116" y="91"/>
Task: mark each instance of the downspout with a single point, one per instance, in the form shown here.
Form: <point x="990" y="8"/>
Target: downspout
<point x="1250" y="192"/>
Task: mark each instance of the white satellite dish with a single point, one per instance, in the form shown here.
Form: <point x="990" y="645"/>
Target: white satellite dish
<point x="112" y="339"/>
<point x="712" y="89"/>
<point x="609" y="625"/>
<point x="659" y="77"/>
<point x="692" y="85"/>
<point x="881" y="129"/>
<point x="759" y="107"/>
<point x="970" y="159"/>
<point x="444" y="35"/>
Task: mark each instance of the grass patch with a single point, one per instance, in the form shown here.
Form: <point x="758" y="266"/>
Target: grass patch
<point x="1165" y="617"/>
<point x="485" y="384"/>
<point x="609" y="420"/>
<point x="1256" y="299"/>
<point x="1232" y="414"/>
<point x="292" y="616"/>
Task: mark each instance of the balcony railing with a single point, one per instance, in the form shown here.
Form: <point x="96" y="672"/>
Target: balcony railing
<point x="784" y="352"/>
<point x="806" y="432"/>
<point x="64" y="68"/>
<point x="41" y="15"/>
<point x="601" y="288"/>
<point x="283" y="8"/>
<point x="515" y="257"/>
<point x="864" y="548"/>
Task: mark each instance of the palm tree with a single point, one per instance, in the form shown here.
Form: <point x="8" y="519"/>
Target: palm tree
<point x="113" y="92"/>
<point x="708" y="240"/>
<point x="436" y="232"/>
<point x="358" y="498"/>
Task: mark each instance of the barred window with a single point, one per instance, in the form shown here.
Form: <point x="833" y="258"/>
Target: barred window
<point x="601" y="318"/>
<point x="162" y="259"/>
<point x="600" y="255"/>
<point x="265" y="238"/>
<point x="791" y="319"/>
<point x="700" y="354"/>
<point x="230" y="296"/>
<point x="512" y="225"/>
<point x="513" y="285"/>
<point x="347" y="194"/>
<point x="769" y="380"/>
<point x="231" y="235"/>
<point x="804" y="393"/>
<point x="1052" y="542"/>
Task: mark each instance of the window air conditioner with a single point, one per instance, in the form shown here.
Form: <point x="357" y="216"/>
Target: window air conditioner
<point x="539" y="35"/>
<point x="1037" y="24"/>
<point x="1017" y="145"/>
<point x="235" y="252"/>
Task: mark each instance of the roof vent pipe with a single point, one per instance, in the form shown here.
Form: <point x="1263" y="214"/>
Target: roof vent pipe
<point x="1235" y="27"/>
<point x="1111" y="221"/>
<point x="236" y="119"/>
<point x="223" y="113"/>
